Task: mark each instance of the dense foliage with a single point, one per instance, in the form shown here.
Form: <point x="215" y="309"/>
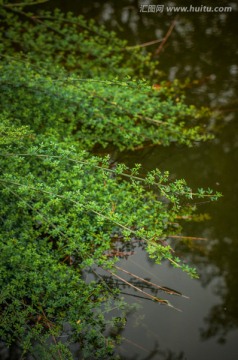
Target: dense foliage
<point x="62" y="208"/>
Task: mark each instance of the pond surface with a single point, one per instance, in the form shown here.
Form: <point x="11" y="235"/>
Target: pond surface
<point x="202" y="46"/>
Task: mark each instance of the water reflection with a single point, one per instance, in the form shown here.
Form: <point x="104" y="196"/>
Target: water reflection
<point x="216" y="259"/>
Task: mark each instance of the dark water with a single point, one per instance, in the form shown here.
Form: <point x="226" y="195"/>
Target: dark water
<point x="202" y="46"/>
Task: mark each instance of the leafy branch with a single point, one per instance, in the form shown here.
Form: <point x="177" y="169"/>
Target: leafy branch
<point x="66" y="87"/>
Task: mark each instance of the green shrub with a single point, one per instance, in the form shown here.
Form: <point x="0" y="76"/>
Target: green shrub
<point x="62" y="208"/>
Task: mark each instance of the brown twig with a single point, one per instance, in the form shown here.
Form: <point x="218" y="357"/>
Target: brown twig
<point x="157" y="52"/>
<point x="144" y="44"/>
<point x="30" y="18"/>
<point x="186" y="237"/>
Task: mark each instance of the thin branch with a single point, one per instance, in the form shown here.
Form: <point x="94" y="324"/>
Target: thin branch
<point x="68" y="21"/>
<point x="74" y="202"/>
<point x="130" y="176"/>
<point x="157" y="52"/>
<point x="186" y="237"/>
<point x="135" y="117"/>
<point x="30" y="18"/>
<point x="144" y="44"/>
<point x="26" y="4"/>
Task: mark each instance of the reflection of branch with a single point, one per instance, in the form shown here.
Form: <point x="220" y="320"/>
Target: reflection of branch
<point x="138" y="289"/>
<point x="165" y="289"/>
<point x="136" y="296"/>
<point x="135" y="344"/>
<point x="157" y="52"/>
<point x="154" y="298"/>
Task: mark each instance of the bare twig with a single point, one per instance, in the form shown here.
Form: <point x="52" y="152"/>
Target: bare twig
<point x="186" y="237"/>
<point x="26" y="4"/>
<point x="144" y="44"/>
<point x="30" y="18"/>
<point x="157" y="52"/>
